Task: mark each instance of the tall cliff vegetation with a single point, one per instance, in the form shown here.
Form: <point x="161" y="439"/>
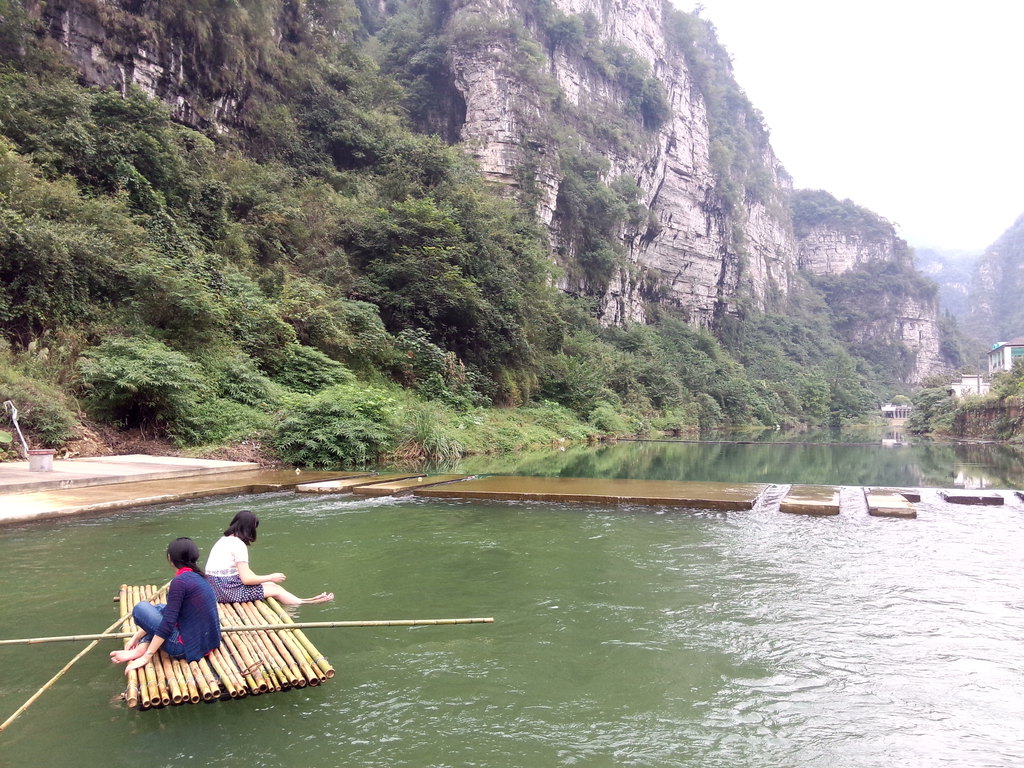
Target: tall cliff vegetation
<point x="304" y="259"/>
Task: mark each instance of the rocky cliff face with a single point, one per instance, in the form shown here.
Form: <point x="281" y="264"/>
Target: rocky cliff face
<point x="915" y="324"/>
<point x="994" y="309"/>
<point x="112" y="49"/>
<point x="838" y="238"/>
<point x="688" y="253"/>
<point x="826" y="250"/>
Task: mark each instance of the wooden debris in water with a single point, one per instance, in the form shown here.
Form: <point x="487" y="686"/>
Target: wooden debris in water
<point x="246" y="664"/>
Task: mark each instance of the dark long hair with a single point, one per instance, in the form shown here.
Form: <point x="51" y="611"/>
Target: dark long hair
<point x="244" y="525"/>
<point x="183" y="553"/>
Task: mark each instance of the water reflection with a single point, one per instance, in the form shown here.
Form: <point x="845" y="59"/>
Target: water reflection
<point x="867" y="459"/>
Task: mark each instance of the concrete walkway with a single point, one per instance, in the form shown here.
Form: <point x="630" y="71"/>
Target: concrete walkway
<point x="116" y="482"/>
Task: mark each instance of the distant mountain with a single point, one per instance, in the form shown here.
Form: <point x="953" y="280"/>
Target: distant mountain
<point x="953" y="271"/>
<point x="995" y="311"/>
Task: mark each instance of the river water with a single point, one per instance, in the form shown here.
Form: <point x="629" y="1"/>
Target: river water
<point x="622" y="636"/>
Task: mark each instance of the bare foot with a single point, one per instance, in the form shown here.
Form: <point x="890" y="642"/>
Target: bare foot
<point x="323" y="597"/>
<point x="128" y="654"/>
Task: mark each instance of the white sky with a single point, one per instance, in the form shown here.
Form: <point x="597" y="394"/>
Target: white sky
<point x="908" y="107"/>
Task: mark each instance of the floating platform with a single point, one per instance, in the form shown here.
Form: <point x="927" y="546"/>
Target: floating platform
<point x="890" y="502"/>
<point x="248" y="663"/>
<point x="819" y="500"/>
<point x="966" y="497"/>
<point x="406" y="486"/>
<point x="353" y="481"/>
<point x="727" y="496"/>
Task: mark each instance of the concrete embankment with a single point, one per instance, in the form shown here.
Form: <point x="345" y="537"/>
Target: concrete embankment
<point x="82" y="486"/>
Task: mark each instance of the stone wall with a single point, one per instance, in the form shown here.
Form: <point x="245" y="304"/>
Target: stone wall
<point x="1003" y="421"/>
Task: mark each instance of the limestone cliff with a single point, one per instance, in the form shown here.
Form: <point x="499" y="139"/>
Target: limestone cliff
<point x="690" y="251"/>
<point x="114" y="47"/>
<point x="837" y="238"/>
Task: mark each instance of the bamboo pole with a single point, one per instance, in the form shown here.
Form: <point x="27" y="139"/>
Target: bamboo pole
<point x="147" y="674"/>
<point x="317" y="659"/>
<point x="221" y="664"/>
<point x="173" y="670"/>
<point x="164" y="665"/>
<point x="297" y="625"/>
<point x="261" y="646"/>
<point x="202" y="683"/>
<point x="32" y="699"/>
<point x="212" y="683"/>
<point x="288" y="667"/>
<point x="161" y="680"/>
<point x="302" y="658"/>
<point x="249" y="659"/>
<point x="131" y="694"/>
<point x="239" y="686"/>
<point x="246" y="664"/>
<point x="189" y="679"/>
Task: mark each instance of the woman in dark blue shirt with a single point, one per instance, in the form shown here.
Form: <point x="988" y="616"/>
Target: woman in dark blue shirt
<point x="187" y="627"/>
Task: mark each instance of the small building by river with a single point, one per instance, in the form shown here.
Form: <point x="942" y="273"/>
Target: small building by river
<point x="1004" y="353"/>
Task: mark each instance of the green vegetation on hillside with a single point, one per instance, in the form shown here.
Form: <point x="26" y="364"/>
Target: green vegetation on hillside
<point x="325" y="281"/>
<point x="817" y="208"/>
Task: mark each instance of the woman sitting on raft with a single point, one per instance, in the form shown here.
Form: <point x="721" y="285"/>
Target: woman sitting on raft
<point x="228" y="569"/>
<point x="186" y="627"/>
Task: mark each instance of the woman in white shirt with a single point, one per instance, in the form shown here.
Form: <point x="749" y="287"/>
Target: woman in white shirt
<point x="228" y="571"/>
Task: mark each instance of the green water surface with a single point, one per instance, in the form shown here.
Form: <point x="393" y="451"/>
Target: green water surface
<point x="622" y="636"/>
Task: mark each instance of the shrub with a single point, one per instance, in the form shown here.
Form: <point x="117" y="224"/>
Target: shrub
<point x="343" y="425"/>
<point x="304" y="369"/>
<point x="6" y="445"/>
<point x="436" y="374"/>
<point x="139" y="381"/>
<point x="934" y="410"/>
<point x="217" y="420"/>
<point x="45" y="414"/>
<point x="252" y="318"/>
<point x="608" y="420"/>
<point x="237" y="378"/>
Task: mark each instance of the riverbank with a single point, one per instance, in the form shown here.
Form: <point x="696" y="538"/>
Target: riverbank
<point x="77" y="486"/>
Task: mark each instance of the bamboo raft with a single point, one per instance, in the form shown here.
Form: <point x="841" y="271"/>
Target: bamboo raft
<point x="248" y="663"/>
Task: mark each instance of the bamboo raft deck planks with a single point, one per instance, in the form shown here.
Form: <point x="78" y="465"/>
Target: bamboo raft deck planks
<point x="246" y="664"/>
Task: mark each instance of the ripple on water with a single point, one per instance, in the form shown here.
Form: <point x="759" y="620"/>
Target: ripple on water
<point x="622" y="637"/>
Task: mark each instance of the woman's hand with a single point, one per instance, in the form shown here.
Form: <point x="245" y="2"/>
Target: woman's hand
<point x="248" y="577"/>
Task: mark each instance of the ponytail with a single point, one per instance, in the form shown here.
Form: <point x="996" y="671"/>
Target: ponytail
<point x="183" y="553"/>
